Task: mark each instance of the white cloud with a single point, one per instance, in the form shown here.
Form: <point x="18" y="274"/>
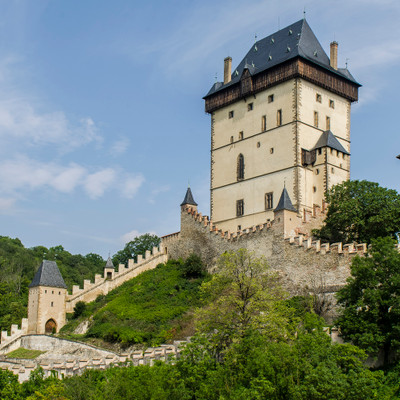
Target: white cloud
<point x="23" y="174"/>
<point x="131" y="185"/>
<point x="129" y="236"/>
<point x="97" y="183"/>
<point x="120" y="146"/>
<point x="6" y="204"/>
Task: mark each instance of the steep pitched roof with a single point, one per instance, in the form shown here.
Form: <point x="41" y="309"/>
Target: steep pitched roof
<point x="188" y="198"/>
<point x="109" y="263"/>
<point x="328" y="139"/>
<point x="284" y="202"/>
<point x="296" y="40"/>
<point x="48" y="274"/>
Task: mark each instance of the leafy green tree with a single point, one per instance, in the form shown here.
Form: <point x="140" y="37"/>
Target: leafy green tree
<point x="79" y="309"/>
<point x="244" y="295"/>
<point x="360" y="211"/>
<point x="135" y="247"/>
<point x="370" y="316"/>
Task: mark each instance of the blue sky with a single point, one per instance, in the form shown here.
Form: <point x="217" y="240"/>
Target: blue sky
<point x="102" y="121"/>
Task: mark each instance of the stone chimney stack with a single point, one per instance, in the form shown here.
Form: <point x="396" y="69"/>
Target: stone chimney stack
<point x="227" y="70"/>
<point x="334" y="47"/>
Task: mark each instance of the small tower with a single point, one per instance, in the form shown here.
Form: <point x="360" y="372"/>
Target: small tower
<point x="46" y="301"/>
<point x="109" y="269"/>
<point x="285" y="215"/>
<point x="189" y="200"/>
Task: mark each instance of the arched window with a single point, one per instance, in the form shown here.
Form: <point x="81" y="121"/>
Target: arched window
<point x="240" y="167"/>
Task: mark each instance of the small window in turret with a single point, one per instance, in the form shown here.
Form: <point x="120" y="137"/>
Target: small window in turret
<point x="270" y="98"/>
<point x="331" y="104"/>
<point x="318" y="98"/>
<point x="241" y="135"/>
<point x="230" y="114"/>
<point x="263" y="123"/>
<point x="279" y="118"/>
<point x="328" y="123"/>
<point x="250" y="107"/>
<point x="316" y="119"/>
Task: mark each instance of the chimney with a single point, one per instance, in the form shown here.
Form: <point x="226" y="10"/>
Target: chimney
<point x="334" y="47"/>
<point x="227" y="69"/>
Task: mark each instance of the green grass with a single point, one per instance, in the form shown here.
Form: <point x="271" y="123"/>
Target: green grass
<point x="24" y="353"/>
<point x="153" y="308"/>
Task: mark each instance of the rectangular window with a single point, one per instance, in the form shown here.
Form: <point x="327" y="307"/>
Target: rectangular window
<point x="239" y="208"/>
<point x="316" y="119"/>
<point x="269" y="200"/>
<point x="231" y="139"/>
<point x="270" y="98"/>
<point x="250" y="107"/>
<point x="331" y="104"/>
<point x="263" y="123"/>
<point x="328" y="123"/>
<point x="279" y="118"/>
<point x="241" y="135"/>
<point x="318" y="98"/>
<point x="230" y="114"/>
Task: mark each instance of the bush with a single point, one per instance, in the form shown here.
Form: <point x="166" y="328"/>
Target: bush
<point x="79" y="309"/>
<point x="193" y="267"/>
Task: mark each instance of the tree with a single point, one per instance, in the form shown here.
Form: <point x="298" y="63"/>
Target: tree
<point x="370" y="317"/>
<point x="193" y="267"/>
<point x="243" y="295"/>
<point x="360" y="211"/>
<point x="135" y="247"/>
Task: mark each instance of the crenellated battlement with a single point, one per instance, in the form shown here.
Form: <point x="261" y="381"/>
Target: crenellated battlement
<point x="15" y="333"/>
<point x="104" y="284"/>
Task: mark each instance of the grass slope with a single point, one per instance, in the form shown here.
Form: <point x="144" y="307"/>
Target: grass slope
<point x="153" y="308"/>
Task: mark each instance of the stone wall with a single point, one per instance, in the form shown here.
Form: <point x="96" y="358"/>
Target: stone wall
<point x="302" y="263"/>
<point x="102" y="285"/>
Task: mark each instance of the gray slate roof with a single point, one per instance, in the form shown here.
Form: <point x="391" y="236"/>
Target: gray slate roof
<point x="48" y="274"/>
<point x="284" y="202"/>
<point x="296" y="40"/>
<point x="328" y="139"/>
<point x="109" y="263"/>
<point x="188" y="198"/>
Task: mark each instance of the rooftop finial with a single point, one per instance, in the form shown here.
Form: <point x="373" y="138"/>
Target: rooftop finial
<point x="304" y="13"/>
<point x="347" y="61"/>
<point x="216" y="77"/>
<point x="255" y="38"/>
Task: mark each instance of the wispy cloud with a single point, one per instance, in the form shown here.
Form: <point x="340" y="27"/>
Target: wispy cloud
<point x="23" y="174"/>
<point x="120" y="146"/>
<point x="157" y="191"/>
<point x="129" y="236"/>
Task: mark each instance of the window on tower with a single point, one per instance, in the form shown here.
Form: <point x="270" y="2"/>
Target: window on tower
<point x="328" y="123"/>
<point x="239" y="208"/>
<point x="270" y="98"/>
<point x="240" y="167"/>
<point x="269" y="201"/>
<point x="331" y="104"/>
<point x="263" y="123"/>
<point x="241" y="135"/>
<point x="250" y="107"/>
<point x="316" y="119"/>
<point x="318" y="98"/>
<point x="279" y="118"/>
<point x="230" y="114"/>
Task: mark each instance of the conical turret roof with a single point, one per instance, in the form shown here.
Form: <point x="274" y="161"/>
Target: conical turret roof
<point x="48" y="274"/>
<point x="284" y="202"/>
<point x="189" y="200"/>
<point x="109" y="263"/>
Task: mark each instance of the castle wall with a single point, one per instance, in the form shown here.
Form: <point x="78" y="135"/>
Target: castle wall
<point x="102" y="285"/>
<point x="302" y="263"/>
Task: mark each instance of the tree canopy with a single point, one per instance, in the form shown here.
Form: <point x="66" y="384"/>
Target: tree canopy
<point x="370" y="316"/>
<point x="360" y="211"/>
<point x="135" y="247"/>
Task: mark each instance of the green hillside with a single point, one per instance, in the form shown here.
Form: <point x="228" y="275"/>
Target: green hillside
<point x="152" y="308"/>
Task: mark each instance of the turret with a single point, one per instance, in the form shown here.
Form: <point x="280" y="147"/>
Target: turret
<point x="188" y="201"/>
<point x="46" y="301"/>
<point x="285" y="215"/>
<point x="109" y="269"/>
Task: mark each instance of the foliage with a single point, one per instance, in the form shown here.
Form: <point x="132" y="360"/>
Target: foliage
<point x="193" y="267"/>
<point x="25" y="353"/>
<point x="360" y="211"/>
<point x="245" y="296"/>
<point x="146" y="309"/>
<point x="18" y="266"/>
<point x="137" y="246"/>
<point x="370" y="317"/>
<point x="79" y="309"/>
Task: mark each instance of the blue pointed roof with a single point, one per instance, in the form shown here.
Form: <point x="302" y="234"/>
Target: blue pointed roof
<point x="296" y="40"/>
<point x="48" y="274"/>
<point x="188" y="200"/>
<point x="284" y="202"/>
<point x="109" y="263"/>
<point x="328" y="139"/>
